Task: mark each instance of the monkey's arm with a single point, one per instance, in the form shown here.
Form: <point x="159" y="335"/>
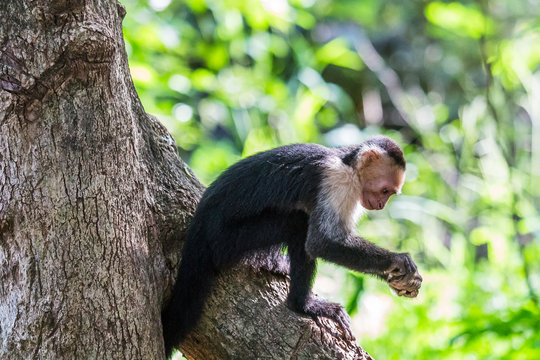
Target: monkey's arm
<point x="329" y="239"/>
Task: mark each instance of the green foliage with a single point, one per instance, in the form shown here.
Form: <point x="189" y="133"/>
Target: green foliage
<point x="456" y="83"/>
<point x="460" y="19"/>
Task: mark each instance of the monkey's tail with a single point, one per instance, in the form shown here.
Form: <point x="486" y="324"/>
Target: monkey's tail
<point x="195" y="277"/>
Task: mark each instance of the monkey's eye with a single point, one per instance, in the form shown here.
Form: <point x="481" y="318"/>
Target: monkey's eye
<point x="385" y="191"/>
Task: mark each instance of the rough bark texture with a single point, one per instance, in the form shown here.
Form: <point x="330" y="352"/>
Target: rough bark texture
<point x="93" y="204"/>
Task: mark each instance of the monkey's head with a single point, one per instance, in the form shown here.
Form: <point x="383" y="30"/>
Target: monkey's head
<point x="381" y="169"/>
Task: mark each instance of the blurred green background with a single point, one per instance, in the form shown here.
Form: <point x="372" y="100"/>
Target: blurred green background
<point x="457" y="84"/>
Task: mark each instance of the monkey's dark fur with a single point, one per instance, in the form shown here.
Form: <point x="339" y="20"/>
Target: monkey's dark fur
<point x="269" y="200"/>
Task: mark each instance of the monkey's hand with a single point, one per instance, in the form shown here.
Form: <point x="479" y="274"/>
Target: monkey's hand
<point x="403" y="277"/>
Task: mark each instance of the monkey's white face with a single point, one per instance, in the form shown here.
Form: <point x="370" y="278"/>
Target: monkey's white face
<point x="380" y="180"/>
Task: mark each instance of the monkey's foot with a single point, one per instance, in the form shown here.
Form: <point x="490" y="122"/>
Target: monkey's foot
<point x="317" y="308"/>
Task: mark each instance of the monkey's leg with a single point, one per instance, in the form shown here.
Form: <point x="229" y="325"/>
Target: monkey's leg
<point x="257" y="241"/>
<point x="301" y="299"/>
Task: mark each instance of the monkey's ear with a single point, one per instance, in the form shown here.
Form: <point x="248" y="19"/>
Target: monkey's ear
<point x="368" y="157"/>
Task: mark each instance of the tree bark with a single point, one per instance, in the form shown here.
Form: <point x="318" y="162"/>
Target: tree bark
<point x="93" y="204"/>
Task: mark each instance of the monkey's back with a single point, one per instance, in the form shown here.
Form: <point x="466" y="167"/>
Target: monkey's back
<point x="279" y="179"/>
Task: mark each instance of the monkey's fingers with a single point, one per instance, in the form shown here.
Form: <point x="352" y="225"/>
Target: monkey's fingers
<point x="338" y="314"/>
<point x="404" y="292"/>
<point x="344" y="322"/>
<point x="318" y="309"/>
<point x="411" y="294"/>
<point x="402" y="264"/>
<point x="409" y="281"/>
<point x="401" y="290"/>
<point x="406" y="285"/>
<point x="394" y="271"/>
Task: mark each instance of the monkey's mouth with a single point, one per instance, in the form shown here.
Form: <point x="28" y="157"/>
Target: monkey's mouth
<point x="370" y="207"/>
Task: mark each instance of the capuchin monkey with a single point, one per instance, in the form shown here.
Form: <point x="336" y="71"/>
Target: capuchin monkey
<point x="306" y="197"/>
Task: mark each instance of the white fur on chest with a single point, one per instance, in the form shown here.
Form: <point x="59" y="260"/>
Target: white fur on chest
<point x="341" y="190"/>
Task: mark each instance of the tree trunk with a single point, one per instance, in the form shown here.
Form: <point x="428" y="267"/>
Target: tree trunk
<point x="93" y="204"/>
